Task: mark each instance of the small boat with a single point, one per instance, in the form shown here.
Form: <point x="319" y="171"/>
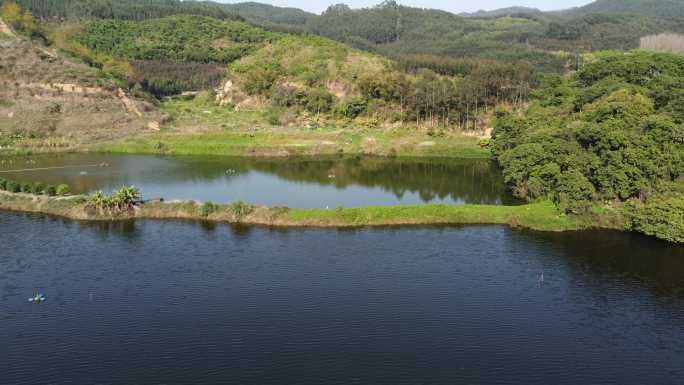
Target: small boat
<point x="37" y="297"/>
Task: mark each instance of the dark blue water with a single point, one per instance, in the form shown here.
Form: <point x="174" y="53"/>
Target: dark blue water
<point x="185" y="303"/>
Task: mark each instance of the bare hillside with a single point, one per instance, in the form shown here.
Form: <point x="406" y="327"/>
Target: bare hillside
<point x="43" y="93"/>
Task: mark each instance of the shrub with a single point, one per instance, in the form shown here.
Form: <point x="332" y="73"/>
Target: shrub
<point x="352" y="108"/>
<point x="574" y="192"/>
<point x="287" y="96"/>
<point x="278" y="211"/>
<point x="27" y="188"/>
<point x="273" y="116"/>
<point x="3" y="184"/>
<point x="319" y="100"/>
<point x="208" y="208"/>
<point x="50" y="190"/>
<point x="662" y="217"/>
<point x="13" y="186"/>
<point x="258" y="81"/>
<point x="240" y="209"/>
<point x="63" y="190"/>
<point x="38" y="188"/>
<point x="123" y="199"/>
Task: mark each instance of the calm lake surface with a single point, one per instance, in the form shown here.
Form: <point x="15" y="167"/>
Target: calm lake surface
<point x="306" y="183"/>
<point x="146" y="302"/>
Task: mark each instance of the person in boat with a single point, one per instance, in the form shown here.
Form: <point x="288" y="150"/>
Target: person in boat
<point x="37" y="297"/>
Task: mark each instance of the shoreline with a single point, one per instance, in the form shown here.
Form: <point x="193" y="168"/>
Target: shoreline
<point x="542" y="216"/>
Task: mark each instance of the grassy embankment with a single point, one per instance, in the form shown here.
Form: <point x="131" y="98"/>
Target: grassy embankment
<point x="537" y="216"/>
<point x="200" y="127"/>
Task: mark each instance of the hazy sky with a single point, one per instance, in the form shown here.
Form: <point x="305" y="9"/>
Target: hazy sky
<point x="455" y="6"/>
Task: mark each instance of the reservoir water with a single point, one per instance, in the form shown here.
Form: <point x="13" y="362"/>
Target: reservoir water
<point x="298" y="182"/>
<point x="153" y="302"/>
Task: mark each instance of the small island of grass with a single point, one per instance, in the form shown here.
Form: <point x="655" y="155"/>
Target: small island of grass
<point x="122" y="205"/>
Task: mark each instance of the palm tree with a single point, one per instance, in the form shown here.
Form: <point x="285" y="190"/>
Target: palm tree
<point x="123" y="199"/>
<point x="127" y="196"/>
<point x="98" y="200"/>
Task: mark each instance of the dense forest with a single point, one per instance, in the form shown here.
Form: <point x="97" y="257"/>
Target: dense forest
<point x="149" y="9"/>
<point x="405" y="32"/>
<point x="612" y="132"/>
<point x="168" y="55"/>
<point x="122" y="9"/>
<point x="300" y="74"/>
<point x="533" y="37"/>
<point x="512" y="34"/>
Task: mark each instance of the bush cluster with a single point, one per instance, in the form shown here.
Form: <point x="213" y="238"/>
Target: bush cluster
<point x="123" y="199"/>
<point x="240" y="209"/>
<point x="208" y="208"/>
<point x="613" y="132"/>
<point x="34" y="188"/>
<point x="662" y="217"/>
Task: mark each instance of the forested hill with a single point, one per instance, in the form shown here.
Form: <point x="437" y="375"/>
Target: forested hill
<point x="658" y="8"/>
<point x="610" y="135"/>
<point x="294" y="75"/>
<point x="148" y="9"/>
<point x="424" y="38"/>
<point x="167" y="55"/>
<point x="122" y="9"/>
<point x="419" y="35"/>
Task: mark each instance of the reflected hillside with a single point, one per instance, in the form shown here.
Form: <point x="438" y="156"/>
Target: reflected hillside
<point x="220" y="178"/>
<point x="473" y="181"/>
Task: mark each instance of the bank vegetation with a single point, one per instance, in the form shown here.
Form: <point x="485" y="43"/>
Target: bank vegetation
<point x="542" y="216"/>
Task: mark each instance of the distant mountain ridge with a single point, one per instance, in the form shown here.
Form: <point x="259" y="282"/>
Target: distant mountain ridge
<point x="419" y="37"/>
<point x="656" y="8"/>
<point x="501" y="12"/>
<point x="266" y="13"/>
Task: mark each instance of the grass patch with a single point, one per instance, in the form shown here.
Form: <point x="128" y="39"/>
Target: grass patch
<point x="538" y="216"/>
<point x="202" y="112"/>
<point x="200" y="127"/>
<point x="208" y="208"/>
<point x="299" y="142"/>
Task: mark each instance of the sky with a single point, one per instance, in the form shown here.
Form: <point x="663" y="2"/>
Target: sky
<point x="455" y="6"/>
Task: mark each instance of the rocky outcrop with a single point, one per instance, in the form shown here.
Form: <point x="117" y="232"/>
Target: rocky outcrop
<point x="225" y="95"/>
<point x="128" y="103"/>
<point x="5" y="30"/>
